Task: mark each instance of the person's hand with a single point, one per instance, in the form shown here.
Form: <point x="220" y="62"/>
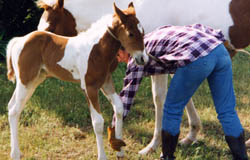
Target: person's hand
<point x="123" y="56"/>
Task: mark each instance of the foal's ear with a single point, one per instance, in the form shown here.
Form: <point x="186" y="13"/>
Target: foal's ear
<point x="41" y="4"/>
<point x="59" y="4"/>
<point x="120" y="14"/>
<point x="131" y="7"/>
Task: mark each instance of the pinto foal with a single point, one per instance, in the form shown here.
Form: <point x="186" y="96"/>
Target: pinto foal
<point x="87" y="59"/>
<point x="47" y="23"/>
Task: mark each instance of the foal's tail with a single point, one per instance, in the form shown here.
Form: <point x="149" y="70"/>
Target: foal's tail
<point x="11" y="72"/>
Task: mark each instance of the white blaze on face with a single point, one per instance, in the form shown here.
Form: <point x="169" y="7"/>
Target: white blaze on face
<point x="43" y="25"/>
<point x="140" y="28"/>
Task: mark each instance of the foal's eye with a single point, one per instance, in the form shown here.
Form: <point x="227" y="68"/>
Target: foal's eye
<point x="130" y="34"/>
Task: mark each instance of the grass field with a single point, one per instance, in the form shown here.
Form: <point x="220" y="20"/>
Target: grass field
<point x="56" y="124"/>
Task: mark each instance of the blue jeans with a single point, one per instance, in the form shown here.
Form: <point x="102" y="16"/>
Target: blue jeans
<point x="216" y="67"/>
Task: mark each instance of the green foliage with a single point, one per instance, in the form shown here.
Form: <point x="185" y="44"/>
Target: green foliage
<point x="17" y="18"/>
<point x="2" y="45"/>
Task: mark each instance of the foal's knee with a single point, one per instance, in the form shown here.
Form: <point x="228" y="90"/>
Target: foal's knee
<point x="13" y="112"/>
<point x="98" y="124"/>
<point x="159" y="98"/>
<point x="118" y="107"/>
<point x="119" y="111"/>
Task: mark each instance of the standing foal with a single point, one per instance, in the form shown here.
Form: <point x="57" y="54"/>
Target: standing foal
<point x="87" y="59"/>
<point x="53" y="19"/>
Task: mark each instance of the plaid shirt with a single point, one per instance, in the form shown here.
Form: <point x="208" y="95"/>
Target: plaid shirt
<point x="175" y="46"/>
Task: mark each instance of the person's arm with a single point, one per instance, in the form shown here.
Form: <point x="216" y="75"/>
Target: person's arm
<point x="131" y="84"/>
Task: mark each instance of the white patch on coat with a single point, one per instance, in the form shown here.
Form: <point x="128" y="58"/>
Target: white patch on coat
<point x="117" y="104"/>
<point x="87" y="12"/>
<point x="181" y="12"/>
<point x="152" y="15"/>
<point x="98" y="125"/>
<point x="50" y="3"/>
<point x="140" y="28"/>
<point x="78" y="49"/>
<point x="43" y="25"/>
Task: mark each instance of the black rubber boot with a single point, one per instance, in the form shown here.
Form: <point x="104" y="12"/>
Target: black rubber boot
<point x="237" y="146"/>
<point x="169" y="144"/>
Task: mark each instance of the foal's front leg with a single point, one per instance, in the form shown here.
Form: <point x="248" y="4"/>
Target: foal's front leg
<point x="109" y="91"/>
<point x="97" y="119"/>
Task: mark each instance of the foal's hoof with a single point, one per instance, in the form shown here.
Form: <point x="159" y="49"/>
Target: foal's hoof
<point x="151" y="147"/>
<point x="146" y="151"/>
<point x="15" y="155"/>
<point x="186" y="141"/>
<point x="115" y="143"/>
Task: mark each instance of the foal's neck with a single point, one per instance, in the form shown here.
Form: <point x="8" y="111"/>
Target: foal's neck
<point x="109" y="46"/>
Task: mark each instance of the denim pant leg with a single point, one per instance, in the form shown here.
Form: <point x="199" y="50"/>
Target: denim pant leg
<point x="183" y="85"/>
<point x="221" y="86"/>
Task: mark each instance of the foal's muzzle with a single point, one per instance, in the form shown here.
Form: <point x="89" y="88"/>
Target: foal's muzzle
<point x="141" y="58"/>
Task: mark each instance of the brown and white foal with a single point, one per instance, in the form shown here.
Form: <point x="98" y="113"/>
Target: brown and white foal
<point x="87" y="59"/>
<point x="80" y="21"/>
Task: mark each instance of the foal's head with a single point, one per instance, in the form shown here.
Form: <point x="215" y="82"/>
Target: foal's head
<point x="129" y="32"/>
<point x="56" y="19"/>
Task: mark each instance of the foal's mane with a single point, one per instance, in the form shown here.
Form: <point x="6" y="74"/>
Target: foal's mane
<point x="98" y="27"/>
<point x="45" y="3"/>
<point x="104" y="22"/>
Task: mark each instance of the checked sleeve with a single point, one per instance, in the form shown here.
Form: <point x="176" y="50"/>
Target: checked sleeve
<point x="131" y="84"/>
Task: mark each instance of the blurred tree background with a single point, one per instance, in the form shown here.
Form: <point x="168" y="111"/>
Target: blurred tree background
<point x="17" y="18"/>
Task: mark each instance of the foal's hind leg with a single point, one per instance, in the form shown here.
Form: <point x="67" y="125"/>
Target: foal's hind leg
<point x="194" y="124"/>
<point x="159" y="90"/>
<point x="109" y="91"/>
<point x="20" y="96"/>
<point x="97" y="119"/>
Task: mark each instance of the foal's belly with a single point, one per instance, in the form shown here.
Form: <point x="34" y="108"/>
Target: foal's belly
<point x="75" y="59"/>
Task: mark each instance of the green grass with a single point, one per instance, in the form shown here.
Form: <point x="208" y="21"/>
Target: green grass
<point x="56" y="124"/>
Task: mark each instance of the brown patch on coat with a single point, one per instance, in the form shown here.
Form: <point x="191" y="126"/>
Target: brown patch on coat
<point x="43" y="49"/>
<point x="60" y="20"/>
<point x="239" y="33"/>
<point x="101" y="63"/>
